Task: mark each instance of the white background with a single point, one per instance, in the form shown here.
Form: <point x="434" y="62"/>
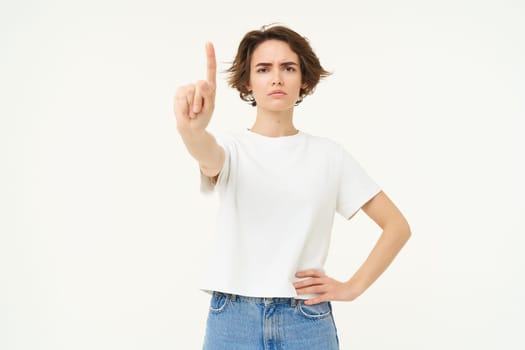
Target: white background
<point x="103" y="230"/>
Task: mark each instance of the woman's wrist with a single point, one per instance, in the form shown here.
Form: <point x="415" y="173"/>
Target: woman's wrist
<point x="353" y="289"/>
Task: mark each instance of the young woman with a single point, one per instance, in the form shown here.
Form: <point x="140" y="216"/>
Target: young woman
<point x="279" y="188"/>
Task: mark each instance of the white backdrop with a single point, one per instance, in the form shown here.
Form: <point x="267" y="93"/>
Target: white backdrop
<point x="103" y="230"/>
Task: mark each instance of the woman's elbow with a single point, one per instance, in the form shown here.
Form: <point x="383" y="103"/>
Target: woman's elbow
<point x="404" y="230"/>
<point x="400" y="228"/>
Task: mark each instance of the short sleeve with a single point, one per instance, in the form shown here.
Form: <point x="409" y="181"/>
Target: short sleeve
<point x="207" y="184"/>
<point x="355" y="186"/>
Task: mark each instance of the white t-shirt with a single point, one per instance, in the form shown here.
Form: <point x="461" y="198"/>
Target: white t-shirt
<point x="278" y="197"/>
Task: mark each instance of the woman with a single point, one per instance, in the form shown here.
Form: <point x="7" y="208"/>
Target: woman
<point x="280" y="188"/>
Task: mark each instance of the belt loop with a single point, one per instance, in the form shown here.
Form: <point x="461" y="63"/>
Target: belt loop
<point x="232" y="297"/>
<point x="294" y="302"/>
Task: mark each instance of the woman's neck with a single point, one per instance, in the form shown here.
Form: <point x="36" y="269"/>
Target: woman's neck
<point x="274" y="124"/>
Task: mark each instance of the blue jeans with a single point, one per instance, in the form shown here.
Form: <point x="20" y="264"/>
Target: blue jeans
<point x="246" y="323"/>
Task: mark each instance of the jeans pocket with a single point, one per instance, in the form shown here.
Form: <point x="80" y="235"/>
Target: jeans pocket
<point x="315" y="312"/>
<point x="218" y="302"/>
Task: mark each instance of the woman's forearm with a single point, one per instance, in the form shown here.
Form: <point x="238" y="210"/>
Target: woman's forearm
<point x="392" y="239"/>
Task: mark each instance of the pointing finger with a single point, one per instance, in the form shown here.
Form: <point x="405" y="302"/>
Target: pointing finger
<point x="211" y="64"/>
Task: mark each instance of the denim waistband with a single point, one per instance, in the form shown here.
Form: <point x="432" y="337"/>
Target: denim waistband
<point x="260" y="300"/>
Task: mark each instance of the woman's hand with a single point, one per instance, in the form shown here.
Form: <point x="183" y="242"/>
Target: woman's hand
<point x="327" y="288"/>
<point x="194" y="103"/>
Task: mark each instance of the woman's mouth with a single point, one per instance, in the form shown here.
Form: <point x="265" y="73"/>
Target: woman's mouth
<point x="277" y="93"/>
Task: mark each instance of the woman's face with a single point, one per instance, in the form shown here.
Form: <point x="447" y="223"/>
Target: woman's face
<point x="275" y="76"/>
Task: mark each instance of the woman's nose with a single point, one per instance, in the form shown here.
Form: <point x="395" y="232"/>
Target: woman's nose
<point x="277" y="79"/>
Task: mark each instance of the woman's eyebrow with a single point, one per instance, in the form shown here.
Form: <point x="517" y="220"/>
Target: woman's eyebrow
<point x="266" y="64"/>
<point x="290" y="63"/>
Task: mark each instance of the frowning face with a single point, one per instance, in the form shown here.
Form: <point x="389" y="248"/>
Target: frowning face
<point x="275" y="76"/>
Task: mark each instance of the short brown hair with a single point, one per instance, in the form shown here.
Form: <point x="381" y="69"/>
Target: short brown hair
<point x="239" y="71"/>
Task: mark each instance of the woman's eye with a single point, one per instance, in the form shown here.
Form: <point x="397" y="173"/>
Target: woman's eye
<point x="290" y="69"/>
<point x="261" y="70"/>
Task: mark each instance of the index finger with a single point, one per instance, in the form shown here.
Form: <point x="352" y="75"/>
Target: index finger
<point x="211" y="63"/>
<point x="309" y="273"/>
